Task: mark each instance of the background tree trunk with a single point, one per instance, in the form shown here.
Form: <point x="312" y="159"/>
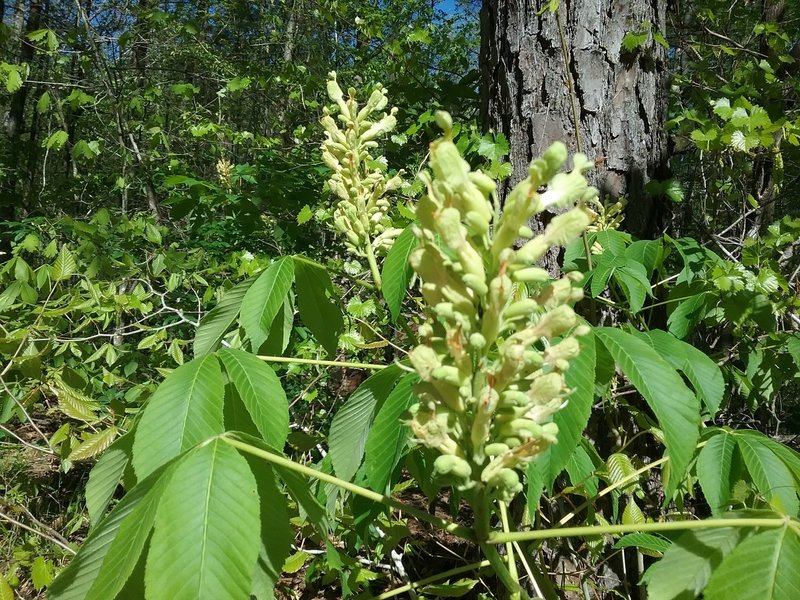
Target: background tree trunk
<point x="541" y="73"/>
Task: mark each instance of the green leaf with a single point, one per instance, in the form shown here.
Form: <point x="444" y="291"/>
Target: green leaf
<point x="572" y="419"/>
<point x="675" y="406"/>
<point x="633" y="40"/>
<point x="110" y="553"/>
<point x="644" y="541"/>
<point x="581" y="471"/>
<point x="184" y="410"/>
<point x="351" y="425"/>
<point x="305" y="215"/>
<point x="6" y="593"/>
<point x="397" y="272"/>
<point x="105" y="476"/>
<point x="94" y="444"/>
<point x="702" y="372"/>
<point x="261" y="392"/>
<point x="688" y="563"/>
<point x="281" y="330"/>
<point x="43" y="103"/>
<point x="56" y="140"/>
<point x="456" y="589"/>
<point x="216" y="323"/>
<point x="315" y="299"/>
<point x="64" y="266"/>
<point x="687" y="313"/>
<point x="493" y="146"/>
<point x="388" y="437"/>
<point x="276" y="534"/>
<point x="207" y="530"/>
<point x="760" y="568"/>
<point x="264" y="299"/>
<point x="714" y="471"/>
<point x="13" y="81"/>
<point x="41" y="573"/>
<point x="771" y="476"/>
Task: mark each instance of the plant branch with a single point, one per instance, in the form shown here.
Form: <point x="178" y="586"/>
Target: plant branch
<point x="324" y="363"/>
<point x="558" y="532"/>
<point x="453" y="528"/>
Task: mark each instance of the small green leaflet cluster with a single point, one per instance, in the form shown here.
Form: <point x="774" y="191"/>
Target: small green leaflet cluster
<point x="490" y="364"/>
<point x="359" y="180"/>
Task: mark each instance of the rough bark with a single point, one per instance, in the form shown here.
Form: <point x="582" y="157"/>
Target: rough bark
<point x="533" y="89"/>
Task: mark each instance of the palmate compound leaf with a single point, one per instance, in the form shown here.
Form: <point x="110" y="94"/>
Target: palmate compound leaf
<point x="261" y="392"/>
<point x="219" y="319"/>
<point x="351" y="425"/>
<point x="397" y="271"/>
<point x="184" y="410"/>
<point x="388" y="437"/>
<point x="763" y="567"/>
<point x="264" y="299"/>
<point x="714" y="470"/>
<point x="675" y="406"/>
<point x="207" y="529"/>
<point x="318" y="310"/>
<point x="688" y="563"/>
<point x="110" y="553"/>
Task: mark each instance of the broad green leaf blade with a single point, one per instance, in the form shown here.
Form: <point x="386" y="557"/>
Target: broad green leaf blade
<point x="64" y="266"/>
<point x="675" y="406"/>
<point x="315" y="299"/>
<point x="686" y="314"/>
<point x="276" y="534"/>
<point x="703" y="373"/>
<point x="388" y="437"/>
<point x="207" y="530"/>
<point x="534" y="490"/>
<point x="264" y="299"/>
<point x="281" y="330"/>
<point x="261" y="392"/>
<point x="94" y="444"/>
<point x="109" y="554"/>
<point x="581" y="471"/>
<point x="688" y="563"/>
<point x="184" y="410"/>
<point x="572" y="419"/>
<point x="646" y="541"/>
<point x="714" y="471"/>
<point x="763" y="567"/>
<point x="351" y="425"/>
<point x="216" y="323"/>
<point x="771" y="476"/>
<point x="105" y="476"/>
<point x="397" y="272"/>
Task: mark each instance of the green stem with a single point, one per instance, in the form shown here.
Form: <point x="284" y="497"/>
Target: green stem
<point x="373" y="265"/>
<point x="544" y="534"/>
<point x="503" y="574"/>
<point x="324" y="363"/>
<point x="276" y="459"/>
<point x="510" y="556"/>
<point x="433" y="579"/>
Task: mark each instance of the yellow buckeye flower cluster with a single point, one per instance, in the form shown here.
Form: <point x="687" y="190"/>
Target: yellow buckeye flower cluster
<point x="359" y="180"/>
<point x="501" y="332"/>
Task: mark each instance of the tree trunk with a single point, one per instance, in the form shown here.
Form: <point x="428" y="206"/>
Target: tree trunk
<point x="9" y="192"/>
<point x="542" y="73"/>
